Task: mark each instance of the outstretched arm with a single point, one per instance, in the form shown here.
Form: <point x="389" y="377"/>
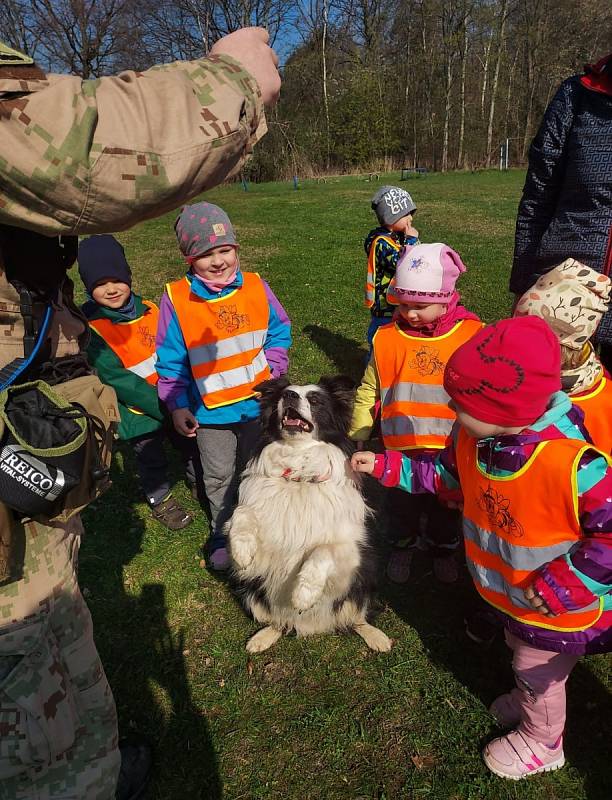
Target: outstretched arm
<point x="100" y="155"/>
<point x="421" y="475"/>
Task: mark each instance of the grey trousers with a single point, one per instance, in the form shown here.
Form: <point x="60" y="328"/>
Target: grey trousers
<point x="224" y="452"/>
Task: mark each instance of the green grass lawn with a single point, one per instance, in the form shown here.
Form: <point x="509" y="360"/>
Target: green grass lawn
<point x="320" y="717"/>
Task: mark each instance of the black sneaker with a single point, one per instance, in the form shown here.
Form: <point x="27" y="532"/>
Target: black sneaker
<point x="482" y="626"/>
<point x="135" y="771"/>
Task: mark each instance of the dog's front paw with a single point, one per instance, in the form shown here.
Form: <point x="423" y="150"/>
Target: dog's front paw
<point x="374" y="637"/>
<point x="242" y="550"/>
<point x="305" y="596"/>
<point x="263" y="639"/>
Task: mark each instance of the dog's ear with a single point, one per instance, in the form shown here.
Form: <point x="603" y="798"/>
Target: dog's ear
<point x="271" y="390"/>
<point x="341" y="389"/>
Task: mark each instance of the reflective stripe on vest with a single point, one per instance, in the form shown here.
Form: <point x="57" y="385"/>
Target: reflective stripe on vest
<point x="133" y="341"/>
<point x="510" y="530"/>
<point x="224" y="338"/>
<point x="370" y="287"/>
<point x="415" y="412"/>
<point x="597" y="408"/>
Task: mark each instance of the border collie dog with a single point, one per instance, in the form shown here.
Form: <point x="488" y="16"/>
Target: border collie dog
<point x="298" y="537"/>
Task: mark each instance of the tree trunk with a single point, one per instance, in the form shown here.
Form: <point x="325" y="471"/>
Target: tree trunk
<point x="447" y="108"/>
<point x="485" y="77"/>
<point x="461" y="158"/>
<point x="500" y="46"/>
<point x="324" y="70"/>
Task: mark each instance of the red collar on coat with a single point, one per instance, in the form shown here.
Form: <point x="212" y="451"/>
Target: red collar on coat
<point x="598" y="77"/>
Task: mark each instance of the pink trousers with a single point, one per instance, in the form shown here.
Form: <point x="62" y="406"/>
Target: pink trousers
<point x="539" y="696"/>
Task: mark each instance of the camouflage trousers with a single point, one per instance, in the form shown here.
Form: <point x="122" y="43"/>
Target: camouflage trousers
<point x="58" y="722"/>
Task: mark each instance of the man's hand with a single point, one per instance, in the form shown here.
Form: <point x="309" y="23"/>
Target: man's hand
<point x="250" y="47"/>
<point x="184" y="422"/>
<point x="536" y="602"/>
<point x="363" y="461"/>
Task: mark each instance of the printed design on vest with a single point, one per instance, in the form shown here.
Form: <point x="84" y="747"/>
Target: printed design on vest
<point x="426" y="361"/>
<point x="228" y="319"/>
<point x="147" y="338"/>
<point x="497" y="509"/>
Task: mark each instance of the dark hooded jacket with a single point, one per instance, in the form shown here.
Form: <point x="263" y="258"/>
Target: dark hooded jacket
<point x="566" y="207"/>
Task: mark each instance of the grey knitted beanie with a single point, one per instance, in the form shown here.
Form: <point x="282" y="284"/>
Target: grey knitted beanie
<point x="391" y="203"/>
<point x="201" y="227"/>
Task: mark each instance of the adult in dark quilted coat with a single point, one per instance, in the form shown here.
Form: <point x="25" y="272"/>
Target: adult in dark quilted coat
<point x="566" y="207"/>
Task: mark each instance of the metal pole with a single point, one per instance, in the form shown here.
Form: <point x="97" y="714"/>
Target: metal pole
<point x="507" y="152"/>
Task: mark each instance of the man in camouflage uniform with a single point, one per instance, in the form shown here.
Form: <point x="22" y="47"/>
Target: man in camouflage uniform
<point x="81" y="157"/>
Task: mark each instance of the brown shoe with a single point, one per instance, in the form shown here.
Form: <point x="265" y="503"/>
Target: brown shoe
<point x="171" y="514"/>
<point x="399" y="563"/>
<point x="446" y="569"/>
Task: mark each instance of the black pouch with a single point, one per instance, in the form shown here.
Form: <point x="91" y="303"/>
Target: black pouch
<point x="43" y="442"/>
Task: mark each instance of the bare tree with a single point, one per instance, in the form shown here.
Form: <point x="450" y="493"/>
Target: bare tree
<point x="461" y="163"/>
<point x="17" y="27"/>
<point x="503" y="17"/>
<point x="84" y="37"/>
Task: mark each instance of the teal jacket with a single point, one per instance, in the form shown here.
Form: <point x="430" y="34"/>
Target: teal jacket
<point x="132" y="391"/>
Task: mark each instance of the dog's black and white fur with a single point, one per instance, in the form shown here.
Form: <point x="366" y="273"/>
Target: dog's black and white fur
<point x="298" y="537"/>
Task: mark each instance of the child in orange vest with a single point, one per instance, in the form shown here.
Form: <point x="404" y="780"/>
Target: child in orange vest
<point x="405" y="375"/>
<point x="221" y="332"/>
<point x="395" y="209"/>
<point x="537" y="524"/>
<point x="572" y="298"/>
<point x="122" y="350"/>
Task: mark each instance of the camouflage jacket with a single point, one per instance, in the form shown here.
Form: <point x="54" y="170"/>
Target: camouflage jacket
<point x="92" y="156"/>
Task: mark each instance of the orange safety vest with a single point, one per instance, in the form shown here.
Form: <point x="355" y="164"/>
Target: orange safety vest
<point x="370" y="294"/>
<point x="133" y="342"/>
<point x="414" y="403"/>
<point x="513" y="525"/>
<point x="597" y="407"/>
<point x="225" y="337"/>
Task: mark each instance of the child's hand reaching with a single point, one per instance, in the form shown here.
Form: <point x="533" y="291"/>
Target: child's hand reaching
<point x="536" y="602"/>
<point x="363" y="461"/>
<point x="184" y="422"/>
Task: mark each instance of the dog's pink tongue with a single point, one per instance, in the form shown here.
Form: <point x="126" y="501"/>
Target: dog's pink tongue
<point x="292" y="421"/>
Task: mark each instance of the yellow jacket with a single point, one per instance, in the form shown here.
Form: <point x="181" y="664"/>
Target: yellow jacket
<point x="368" y="394"/>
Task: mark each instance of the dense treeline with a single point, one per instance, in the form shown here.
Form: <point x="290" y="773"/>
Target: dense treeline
<point x="368" y="84"/>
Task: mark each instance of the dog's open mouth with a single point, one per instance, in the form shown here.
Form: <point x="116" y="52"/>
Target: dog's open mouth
<point x="294" y="422"/>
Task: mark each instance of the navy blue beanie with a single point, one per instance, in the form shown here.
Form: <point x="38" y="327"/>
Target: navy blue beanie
<point x="102" y="257"/>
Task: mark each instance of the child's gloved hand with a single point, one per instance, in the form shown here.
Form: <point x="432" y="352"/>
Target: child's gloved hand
<point x="184" y="422"/>
<point x="536" y="602"/>
<point x="363" y="461"/>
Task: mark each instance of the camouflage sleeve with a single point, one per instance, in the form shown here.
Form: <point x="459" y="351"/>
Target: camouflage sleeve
<point x="79" y="157"/>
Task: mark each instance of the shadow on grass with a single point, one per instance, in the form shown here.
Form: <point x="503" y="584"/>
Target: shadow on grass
<point x="347" y="355"/>
<point x="437" y="613"/>
<point x="141" y="652"/>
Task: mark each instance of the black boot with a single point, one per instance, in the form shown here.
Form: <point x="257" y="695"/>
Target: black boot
<point x="136" y="763"/>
